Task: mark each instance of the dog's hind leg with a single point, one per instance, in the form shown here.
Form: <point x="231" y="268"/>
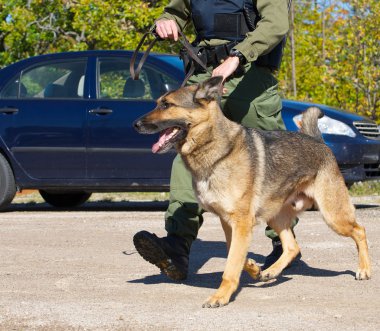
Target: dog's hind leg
<point x="281" y="224"/>
<point x="250" y="265"/>
<point x="338" y="212"/>
<point x="241" y="234"/>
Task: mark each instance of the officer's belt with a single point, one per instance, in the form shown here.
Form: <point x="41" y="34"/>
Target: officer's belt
<point x="217" y="54"/>
<point x="210" y="56"/>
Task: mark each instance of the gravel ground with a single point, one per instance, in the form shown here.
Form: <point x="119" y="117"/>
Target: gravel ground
<point x="78" y="270"/>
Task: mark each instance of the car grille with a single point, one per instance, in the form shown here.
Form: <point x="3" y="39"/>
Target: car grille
<point x="368" y="130"/>
<point x="360" y="172"/>
<point x="372" y="171"/>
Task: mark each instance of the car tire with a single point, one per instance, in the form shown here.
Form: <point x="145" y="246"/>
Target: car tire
<point x="65" y="199"/>
<point x="7" y="183"/>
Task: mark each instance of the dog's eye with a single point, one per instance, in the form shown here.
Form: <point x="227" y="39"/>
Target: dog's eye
<point x="165" y="105"/>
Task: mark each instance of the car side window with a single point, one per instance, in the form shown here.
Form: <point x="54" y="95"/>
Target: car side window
<point x="58" y="79"/>
<point x="115" y="81"/>
<point x="13" y="89"/>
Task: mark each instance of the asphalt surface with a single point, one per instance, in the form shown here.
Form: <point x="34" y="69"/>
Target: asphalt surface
<point x="78" y="270"/>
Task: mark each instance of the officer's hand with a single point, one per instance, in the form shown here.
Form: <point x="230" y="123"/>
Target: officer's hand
<point x="227" y="68"/>
<point x="167" y="29"/>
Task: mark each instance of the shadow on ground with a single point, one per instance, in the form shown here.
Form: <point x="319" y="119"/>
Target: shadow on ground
<point x="111" y="206"/>
<point x="203" y="251"/>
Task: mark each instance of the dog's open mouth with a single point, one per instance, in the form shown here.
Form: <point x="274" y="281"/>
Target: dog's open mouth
<point x="168" y="138"/>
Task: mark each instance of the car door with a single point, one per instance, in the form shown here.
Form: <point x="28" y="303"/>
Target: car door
<point x="44" y="127"/>
<point x="115" y="150"/>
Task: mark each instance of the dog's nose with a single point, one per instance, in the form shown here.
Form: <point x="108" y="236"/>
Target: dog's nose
<point x="137" y="125"/>
<point x="142" y="125"/>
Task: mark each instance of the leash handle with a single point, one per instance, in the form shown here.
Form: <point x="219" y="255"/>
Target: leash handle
<point x="136" y="72"/>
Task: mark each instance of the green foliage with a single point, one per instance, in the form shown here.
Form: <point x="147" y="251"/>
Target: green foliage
<point x="36" y="27"/>
<point x="337" y="53"/>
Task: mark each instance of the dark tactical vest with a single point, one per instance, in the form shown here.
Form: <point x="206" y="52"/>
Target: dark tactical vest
<point x="223" y="19"/>
<point x="231" y="20"/>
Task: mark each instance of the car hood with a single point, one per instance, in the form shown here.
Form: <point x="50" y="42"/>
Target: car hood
<point x="332" y="112"/>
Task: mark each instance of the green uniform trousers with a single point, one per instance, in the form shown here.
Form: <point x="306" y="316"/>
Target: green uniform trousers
<point x="252" y="100"/>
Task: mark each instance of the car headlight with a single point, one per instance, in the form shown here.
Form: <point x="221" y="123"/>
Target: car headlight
<point x="327" y="125"/>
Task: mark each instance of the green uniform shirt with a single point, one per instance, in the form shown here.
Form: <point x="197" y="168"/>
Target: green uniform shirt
<point x="270" y="30"/>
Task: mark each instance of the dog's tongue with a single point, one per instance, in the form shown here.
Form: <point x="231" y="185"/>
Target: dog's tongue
<point x="164" y="137"/>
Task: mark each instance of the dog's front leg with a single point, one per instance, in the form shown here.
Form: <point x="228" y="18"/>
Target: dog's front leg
<point x="241" y="235"/>
<point x="250" y="265"/>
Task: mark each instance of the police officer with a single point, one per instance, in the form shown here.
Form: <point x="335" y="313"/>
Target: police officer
<point x="240" y="40"/>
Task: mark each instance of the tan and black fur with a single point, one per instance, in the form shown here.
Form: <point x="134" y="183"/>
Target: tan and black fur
<point x="246" y="175"/>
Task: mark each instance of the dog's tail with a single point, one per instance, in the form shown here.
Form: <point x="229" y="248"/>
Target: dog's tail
<point x="309" y="123"/>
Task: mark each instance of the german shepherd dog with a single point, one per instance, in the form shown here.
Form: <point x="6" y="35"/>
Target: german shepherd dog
<point x="245" y="175"/>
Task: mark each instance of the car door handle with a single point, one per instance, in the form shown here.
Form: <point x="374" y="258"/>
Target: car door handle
<point x="101" y="111"/>
<point x="8" y="110"/>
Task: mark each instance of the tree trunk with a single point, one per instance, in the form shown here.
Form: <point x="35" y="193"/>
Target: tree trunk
<point x="293" y="50"/>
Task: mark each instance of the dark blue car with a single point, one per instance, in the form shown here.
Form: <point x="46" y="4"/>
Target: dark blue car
<point x="66" y="127"/>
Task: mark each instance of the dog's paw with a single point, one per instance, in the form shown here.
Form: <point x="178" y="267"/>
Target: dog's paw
<point x="267" y="275"/>
<point x="215" y="302"/>
<point x="363" y="274"/>
<point x="253" y="269"/>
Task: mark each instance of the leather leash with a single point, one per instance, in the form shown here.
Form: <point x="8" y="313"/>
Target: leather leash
<point x="136" y="72"/>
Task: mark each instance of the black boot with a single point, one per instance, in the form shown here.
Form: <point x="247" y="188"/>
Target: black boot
<point x="275" y="255"/>
<point x="170" y="254"/>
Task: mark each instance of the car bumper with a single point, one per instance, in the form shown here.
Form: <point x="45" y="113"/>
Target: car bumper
<point x="357" y="162"/>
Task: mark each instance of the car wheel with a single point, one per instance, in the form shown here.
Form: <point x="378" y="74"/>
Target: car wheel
<point x="7" y="183"/>
<point x="65" y="199"/>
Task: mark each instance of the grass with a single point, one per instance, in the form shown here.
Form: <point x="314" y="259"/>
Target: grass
<point x="130" y="196"/>
<point x="365" y="188"/>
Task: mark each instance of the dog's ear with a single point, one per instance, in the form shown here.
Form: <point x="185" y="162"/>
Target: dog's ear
<point x="210" y="89"/>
